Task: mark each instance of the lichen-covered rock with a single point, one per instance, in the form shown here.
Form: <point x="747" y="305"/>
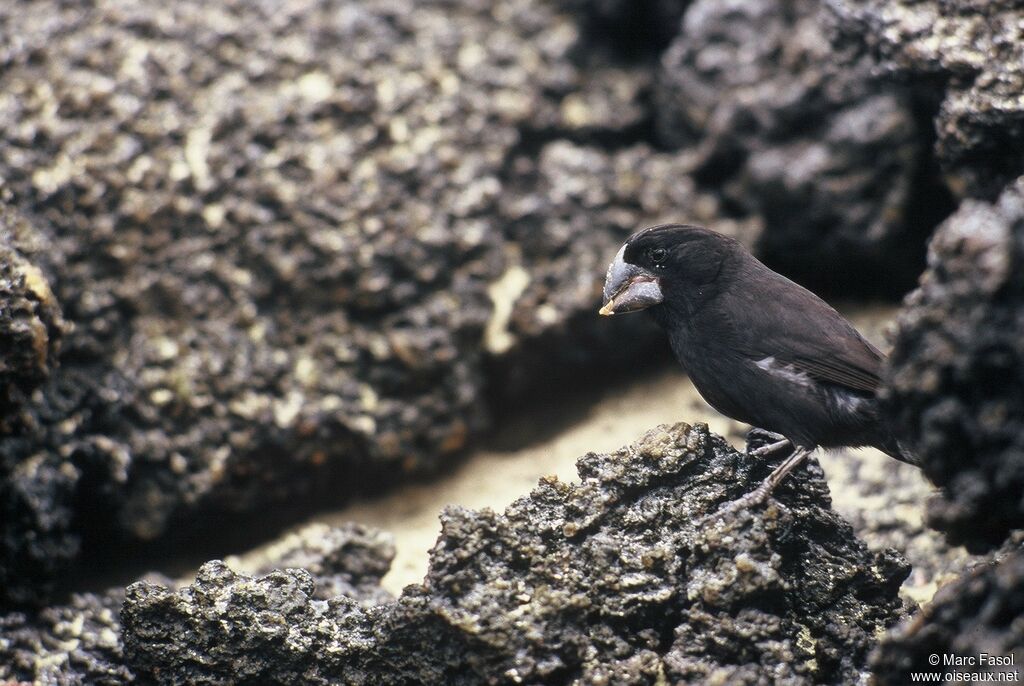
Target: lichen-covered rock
<point x="956" y="382"/>
<point x="280" y="241"/>
<point x="31" y="323"/>
<point x="795" y="131"/>
<point x="631" y="576"/>
<point x="36" y="493"/>
<point x="978" y="615"/>
<point x="971" y="54"/>
<point x="347" y="560"/>
<point x="79" y="644"/>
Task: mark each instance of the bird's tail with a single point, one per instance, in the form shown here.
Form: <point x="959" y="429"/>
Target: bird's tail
<point x="893" y="447"/>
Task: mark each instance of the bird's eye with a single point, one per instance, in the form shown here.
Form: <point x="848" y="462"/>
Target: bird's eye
<point x="658" y="255"/>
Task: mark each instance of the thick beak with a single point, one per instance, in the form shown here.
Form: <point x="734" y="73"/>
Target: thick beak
<point x="628" y="288"/>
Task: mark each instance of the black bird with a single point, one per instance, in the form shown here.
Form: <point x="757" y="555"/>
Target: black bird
<point x="758" y="347"/>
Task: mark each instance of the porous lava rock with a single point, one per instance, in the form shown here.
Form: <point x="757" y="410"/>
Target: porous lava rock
<point x="955" y="386"/>
<point x="278" y="237"/>
<point x="799" y="132"/>
<point x="79" y="643"/>
<point x="76" y="644"/>
<point x="970" y="53"/>
<point x="36" y="493"/>
<point x="634" y="575"/>
<point x="31" y="322"/>
<point x="301" y="242"/>
<point x="975" y="619"/>
<point x="346" y="560"/>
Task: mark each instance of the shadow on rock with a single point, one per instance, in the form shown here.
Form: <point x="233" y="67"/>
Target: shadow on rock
<point x="790" y="127"/>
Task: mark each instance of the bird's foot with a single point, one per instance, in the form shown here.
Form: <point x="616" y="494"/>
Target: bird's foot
<point x="746" y="501"/>
<point x="760" y="494"/>
<point x="762" y="442"/>
<point x="770" y="448"/>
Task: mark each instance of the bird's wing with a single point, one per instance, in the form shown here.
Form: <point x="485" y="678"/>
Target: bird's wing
<point x="801" y="331"/>
<point x="840" y="370"/>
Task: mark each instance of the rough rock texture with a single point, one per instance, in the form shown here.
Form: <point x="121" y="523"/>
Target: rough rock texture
<point x="790" y="129"/>
<point x="561" y="195"/>
<point x="301" y="242"/>
<point x="956" y="383"/>
<point x="347" y="560"/>
<point x="629" y="577"/>
<point x="884" y="501"/>
<point x="35" y="496"/>
<point x="280" y="240"/>
<point x="79" y="644"/>
<point x="980" y="613"/>
<point x="972" y="54"/>
<point x="31" y="323"/>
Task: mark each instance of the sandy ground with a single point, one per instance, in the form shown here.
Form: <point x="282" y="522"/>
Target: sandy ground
<point x="884" y="499"/>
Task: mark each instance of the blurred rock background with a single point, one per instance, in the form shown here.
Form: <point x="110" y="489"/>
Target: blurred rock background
<point x="260" y="258"/>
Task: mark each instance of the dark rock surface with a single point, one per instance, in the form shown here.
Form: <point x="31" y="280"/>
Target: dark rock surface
<point x="971" y="53"/>
<point x="280" y="241"/>
<point x="884" y="501"/>
<point x="791" y="129"/>
<point x="630" y="29"/>
<point x="347" y="560"/>
<point x="31" y="322"/>
<point x="628" y="577"/>
<point x="956" y="383"/>
<point x="79" y="644"/>
<point x="979" y="614"/>
<point x="300" y="242"/>
<point x="36" y="493"/>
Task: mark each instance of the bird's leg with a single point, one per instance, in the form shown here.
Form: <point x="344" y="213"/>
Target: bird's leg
<point x="761" y="493"/>
<point x="770" y="448"/>
<point x="764" y="433"/>
<point x="767" y="442"/>
<point x="779" y="474"/>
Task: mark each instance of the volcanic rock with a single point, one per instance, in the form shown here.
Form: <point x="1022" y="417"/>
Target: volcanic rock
<point x="309" y="247"/>
<point x="35" y="493"/>
<point x="970" y="53"/>
<point x="798" y="132"/>
<point x="280" y="245"/>
<point x="79" y="644"/>
<point x="634" y="575"/>
<point x="976" y="618"/>
<point x="956" y="383"/>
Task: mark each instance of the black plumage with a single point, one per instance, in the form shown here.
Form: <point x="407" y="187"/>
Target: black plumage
<point x="759" y="348"/>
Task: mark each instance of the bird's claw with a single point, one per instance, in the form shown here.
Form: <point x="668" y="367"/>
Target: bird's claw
<point x="769" y="449"/>
<point x="754" y="498"/>
<point x="761" y="442"/>
<point x="759" y="495"/>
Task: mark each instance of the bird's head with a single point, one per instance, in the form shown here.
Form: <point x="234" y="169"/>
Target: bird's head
<point x="671" y="261"/>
